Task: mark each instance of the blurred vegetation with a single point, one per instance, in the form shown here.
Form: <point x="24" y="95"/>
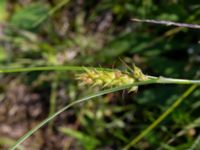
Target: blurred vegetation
<point x="97" y="33"/>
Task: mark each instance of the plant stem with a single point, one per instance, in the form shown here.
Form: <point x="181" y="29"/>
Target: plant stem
<point x="48" y="68"/>
<point x="177" y="81"/>
<point x="161" y="117"/>
<point x="160" y="80"/>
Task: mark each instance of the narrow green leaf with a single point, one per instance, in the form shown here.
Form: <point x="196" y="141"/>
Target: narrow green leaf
<point x="44" y="122"/>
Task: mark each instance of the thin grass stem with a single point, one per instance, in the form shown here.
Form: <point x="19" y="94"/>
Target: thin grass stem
<point x="159" y="80"/>
<point x="49" y="68"/>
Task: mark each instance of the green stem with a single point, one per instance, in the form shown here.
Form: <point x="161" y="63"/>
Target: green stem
<point x="160" y="80"/>
<point x="161" y="117"/>
<point x="177" y="81"/>
<point x="48" y="68"/>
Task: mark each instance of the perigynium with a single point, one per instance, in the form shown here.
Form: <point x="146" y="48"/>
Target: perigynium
<point x="113" y="78"/>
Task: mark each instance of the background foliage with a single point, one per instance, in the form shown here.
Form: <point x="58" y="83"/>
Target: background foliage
<point x="93" y="33"/>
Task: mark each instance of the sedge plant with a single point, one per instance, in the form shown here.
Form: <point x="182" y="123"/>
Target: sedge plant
<point x="111" y="79"/>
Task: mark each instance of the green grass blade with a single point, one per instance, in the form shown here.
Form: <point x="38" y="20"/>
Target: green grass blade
<point x="49" y="68"/>
<point x="161" y="117"/>
<point x="44" y="122"/>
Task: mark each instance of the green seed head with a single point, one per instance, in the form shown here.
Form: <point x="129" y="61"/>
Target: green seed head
<point x="138" y="75"/>
<point x="111" y="78"/>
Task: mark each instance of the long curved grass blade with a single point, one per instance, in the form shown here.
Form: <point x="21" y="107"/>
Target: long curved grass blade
<point x="161" y="117"/>
<point x="44" y="122"/>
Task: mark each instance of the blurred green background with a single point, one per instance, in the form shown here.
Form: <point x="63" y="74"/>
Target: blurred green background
<point x="97" y="33"/>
